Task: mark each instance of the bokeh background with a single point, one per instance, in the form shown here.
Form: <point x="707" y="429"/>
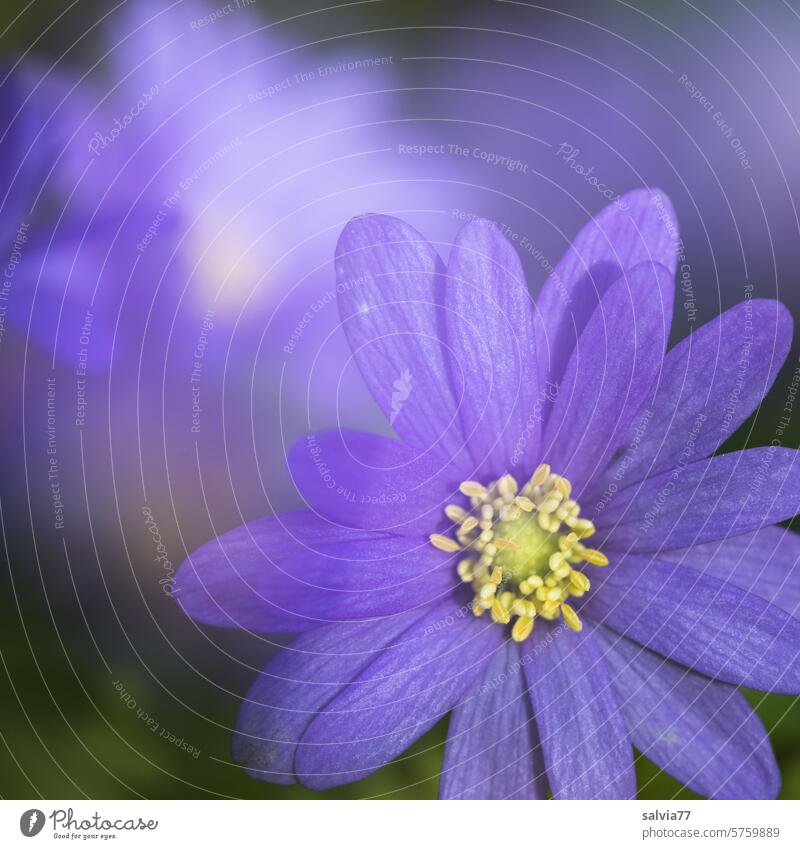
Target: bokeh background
<point x="174" y="177"/>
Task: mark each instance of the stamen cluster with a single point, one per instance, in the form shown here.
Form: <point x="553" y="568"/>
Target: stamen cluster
<point x="521" y="547"/>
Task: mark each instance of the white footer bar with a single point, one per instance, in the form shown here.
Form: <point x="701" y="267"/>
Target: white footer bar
<point x="398" y="825"/>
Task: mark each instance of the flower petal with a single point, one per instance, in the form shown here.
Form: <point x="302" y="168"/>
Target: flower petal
<point x="390" y="284"/>
<point x="489" y="329"/>
<point x="711" y="382"/>
<point x="700" y="622"/>
<point x="492" y="747"/>
<point x="297" y="684"/>
<point x="716" y="498"/>
<point x="586" y="748"/>
<point x="640" y="227"/>
<point x="702" y="732"/>
<point x="765" y="563"/>
<point x="294" y="571"/>
<point x="362" y="480"/>
<point x="398" y="697"/>
<point x="611" y="373"/>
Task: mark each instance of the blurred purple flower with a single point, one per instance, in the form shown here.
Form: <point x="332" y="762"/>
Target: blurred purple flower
<point x="476" y="508"/>
<point x="202" y="166"/>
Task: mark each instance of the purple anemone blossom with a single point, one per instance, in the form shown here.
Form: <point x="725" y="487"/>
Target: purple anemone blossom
<point x="548" y="549"/>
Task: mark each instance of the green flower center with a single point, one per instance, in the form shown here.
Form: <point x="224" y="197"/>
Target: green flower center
<point x="522" y="547"/>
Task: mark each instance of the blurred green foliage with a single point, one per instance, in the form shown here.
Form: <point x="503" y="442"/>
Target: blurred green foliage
<point x="67" y="733"/>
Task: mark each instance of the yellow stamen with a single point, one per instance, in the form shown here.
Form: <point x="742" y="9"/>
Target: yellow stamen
<point x="563" y="486"/>
<point x="522" y="628"/>
<point x="506" y="599"/>
<point x="550" y="609"/>
<point x="524" y="503"/>
<point x="470" y="523"/>
<point x="507" y="486"/>
<point x="595" y="557"/>
<point x="519" y="608"/>
<point x="499" y="613"/>
<point x="583" y="528"/>
<point x="540" y="475"/>
<point x="444" y="543"/>
<point x="465" y="570"/>
<point x="550" y="503"/>
<point x="487" y="591"/>
<point x="568" y="541"/>
<point x="571" y="618"/>
<point x="510" y="513"/>
<point x="579" y="581"/>
<point x="455" y="513"/>
<point x="472" y="489"/>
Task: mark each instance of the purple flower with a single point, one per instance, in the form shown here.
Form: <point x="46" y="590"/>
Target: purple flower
<point x="191" y="144"/>
<point x="452" y="569"/>
<point x="41" y="159"/>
